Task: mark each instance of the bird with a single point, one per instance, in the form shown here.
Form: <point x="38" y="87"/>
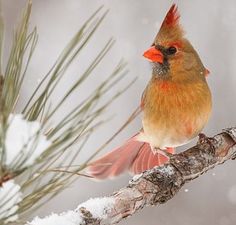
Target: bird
<point x="176" y="104"/>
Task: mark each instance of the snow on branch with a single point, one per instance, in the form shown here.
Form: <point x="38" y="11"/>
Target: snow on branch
<point x="152" y="187"/>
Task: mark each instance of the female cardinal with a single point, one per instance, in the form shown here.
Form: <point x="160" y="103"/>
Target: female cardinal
<point x="176" y="104"/>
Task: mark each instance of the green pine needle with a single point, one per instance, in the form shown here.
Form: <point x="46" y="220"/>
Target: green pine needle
<point x="48" y="176"/>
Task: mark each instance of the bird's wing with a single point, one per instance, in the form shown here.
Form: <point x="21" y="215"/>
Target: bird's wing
<point x="142" y="103"/>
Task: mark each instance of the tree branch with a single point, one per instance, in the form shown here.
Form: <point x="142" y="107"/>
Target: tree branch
<point x="158" y="185"/>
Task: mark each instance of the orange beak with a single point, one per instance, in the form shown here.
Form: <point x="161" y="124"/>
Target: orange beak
<point x="153" y="55"/>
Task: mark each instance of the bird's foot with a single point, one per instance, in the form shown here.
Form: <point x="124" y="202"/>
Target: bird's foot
<point x="202" y="138"/>
<point x="162" y="152"/>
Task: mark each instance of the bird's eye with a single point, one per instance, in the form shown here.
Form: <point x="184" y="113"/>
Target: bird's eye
<point x="171" y="50"/>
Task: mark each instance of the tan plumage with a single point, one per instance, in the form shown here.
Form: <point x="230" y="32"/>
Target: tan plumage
<point x="176" y="104"/>
<point x="174" y="112"/>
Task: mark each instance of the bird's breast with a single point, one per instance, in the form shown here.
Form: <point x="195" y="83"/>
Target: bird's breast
<point x="175" y="113"/>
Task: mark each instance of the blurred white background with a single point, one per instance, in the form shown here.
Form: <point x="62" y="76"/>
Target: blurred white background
<point x="209" y="25"/>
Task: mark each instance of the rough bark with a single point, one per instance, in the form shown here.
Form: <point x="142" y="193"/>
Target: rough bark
<point x="160" y="184"/>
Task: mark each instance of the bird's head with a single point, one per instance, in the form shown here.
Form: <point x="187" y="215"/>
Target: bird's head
<point x="171" y="54"/>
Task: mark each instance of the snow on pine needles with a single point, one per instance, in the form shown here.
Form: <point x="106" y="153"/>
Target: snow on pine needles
<point x="10" y="196"/>
<point x="25" y="141"/>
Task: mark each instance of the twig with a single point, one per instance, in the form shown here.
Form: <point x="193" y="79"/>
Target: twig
<point x="158" y="185"/>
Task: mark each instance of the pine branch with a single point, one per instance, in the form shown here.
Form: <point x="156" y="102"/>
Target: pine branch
<point x="32" y="142"/>
<point x="155" y="186"/>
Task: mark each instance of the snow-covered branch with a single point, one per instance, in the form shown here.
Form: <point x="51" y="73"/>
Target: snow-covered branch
<point x="152" y="187"/>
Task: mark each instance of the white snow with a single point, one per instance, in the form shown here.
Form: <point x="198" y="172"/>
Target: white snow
<point x="157" y="24"/>
<point x="136" y="177"/>
<point x="10" y="196"/>
<point x="99" y="207"/>
<point x="39" y="80"/>
<point x="167" y="169"/>
<point x="68" y="218"/>
<point x="24" y="139"/>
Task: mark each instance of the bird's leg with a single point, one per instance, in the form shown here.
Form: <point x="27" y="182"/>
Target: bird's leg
<point x="202" y="138"/>
<point x="161" y="151"/>
<point x="153" y="149"/>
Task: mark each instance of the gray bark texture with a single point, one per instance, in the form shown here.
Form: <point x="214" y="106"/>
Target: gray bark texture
<point x="160" y="184"/>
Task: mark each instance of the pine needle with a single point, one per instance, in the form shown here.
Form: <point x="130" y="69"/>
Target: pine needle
<point x="48" y="175"/>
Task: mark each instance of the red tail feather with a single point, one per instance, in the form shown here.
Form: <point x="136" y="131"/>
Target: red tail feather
<point x="134" y="156"/>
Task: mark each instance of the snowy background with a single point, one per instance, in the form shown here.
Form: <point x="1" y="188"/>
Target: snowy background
<point x="210" y="26"/>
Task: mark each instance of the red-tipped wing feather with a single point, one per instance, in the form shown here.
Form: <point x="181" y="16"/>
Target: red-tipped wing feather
<point x="133" y="156"/>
